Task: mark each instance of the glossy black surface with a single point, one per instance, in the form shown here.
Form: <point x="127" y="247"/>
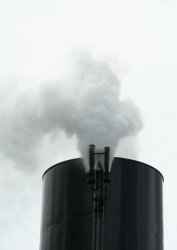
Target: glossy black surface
<point x="133" y="210"/>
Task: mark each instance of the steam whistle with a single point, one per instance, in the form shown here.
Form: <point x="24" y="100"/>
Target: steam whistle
<point x="98" y="179"/>
<point x="99" y="164"/>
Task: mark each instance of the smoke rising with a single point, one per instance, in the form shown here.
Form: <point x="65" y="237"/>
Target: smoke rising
<point x="87" y="104"/>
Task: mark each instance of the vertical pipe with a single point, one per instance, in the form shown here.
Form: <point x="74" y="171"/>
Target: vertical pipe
<point x="100" y="230"/>
<point x="100" y="209"/>
<point x="94" y="240"/>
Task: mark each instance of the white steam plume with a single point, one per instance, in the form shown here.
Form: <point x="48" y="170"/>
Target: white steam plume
<point x="86" y="104"/>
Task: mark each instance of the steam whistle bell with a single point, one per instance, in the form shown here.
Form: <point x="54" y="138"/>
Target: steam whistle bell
<point x="92" y="154"/>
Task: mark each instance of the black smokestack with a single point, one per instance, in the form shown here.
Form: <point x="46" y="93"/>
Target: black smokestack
<point x="133" y="208"/>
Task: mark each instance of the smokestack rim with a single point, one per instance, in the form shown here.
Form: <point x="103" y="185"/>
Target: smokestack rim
<point x="121" y="158"/>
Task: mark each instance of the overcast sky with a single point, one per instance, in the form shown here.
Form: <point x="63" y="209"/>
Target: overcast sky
<point x="37" y="42"/>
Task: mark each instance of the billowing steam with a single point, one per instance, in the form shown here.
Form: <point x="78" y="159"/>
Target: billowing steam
<point x="86" y="104"/>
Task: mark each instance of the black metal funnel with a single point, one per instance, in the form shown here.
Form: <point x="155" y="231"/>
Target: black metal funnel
<point x="132" y="214"/>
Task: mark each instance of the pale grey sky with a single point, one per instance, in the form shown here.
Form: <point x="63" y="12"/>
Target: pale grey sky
<point x="37" y="39"/>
